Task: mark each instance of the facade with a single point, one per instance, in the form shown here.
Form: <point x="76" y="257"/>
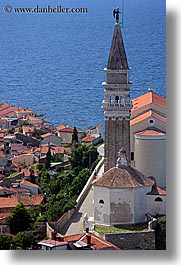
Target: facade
<point x="116" y="104"/>
<point x="156" y="201"/>
<point x="148" y="136"/>
<point x="65" y="132"/>
<point x="52" y="139"/>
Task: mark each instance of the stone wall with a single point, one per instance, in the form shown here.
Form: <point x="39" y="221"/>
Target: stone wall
<point x="133" y="240"/>
<point x="117" y="135"/>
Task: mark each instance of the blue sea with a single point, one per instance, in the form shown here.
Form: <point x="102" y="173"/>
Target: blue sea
<point x="53" y="63"/>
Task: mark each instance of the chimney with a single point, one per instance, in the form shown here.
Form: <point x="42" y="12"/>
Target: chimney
<point x="87" y="230"/>
<point x="53" y="234"/>
<point x="88" y="237"/>
<point x="60" y="238"/>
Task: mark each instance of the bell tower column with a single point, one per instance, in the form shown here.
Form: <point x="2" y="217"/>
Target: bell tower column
<point x="116" y="103"/>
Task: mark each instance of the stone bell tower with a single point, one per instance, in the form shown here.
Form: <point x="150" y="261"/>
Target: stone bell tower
<point x="116" y="103"/>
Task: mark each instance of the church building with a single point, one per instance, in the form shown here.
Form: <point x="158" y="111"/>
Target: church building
<point x="134" y="155"/>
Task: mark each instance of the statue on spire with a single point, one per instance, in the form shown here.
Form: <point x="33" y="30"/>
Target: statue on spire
<point x="116" y="13"/>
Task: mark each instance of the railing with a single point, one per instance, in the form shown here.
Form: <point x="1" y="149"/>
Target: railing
<point x="116" y="104"/>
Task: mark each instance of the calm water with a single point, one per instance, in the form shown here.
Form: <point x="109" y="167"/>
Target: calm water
<point x="53" y="63"/>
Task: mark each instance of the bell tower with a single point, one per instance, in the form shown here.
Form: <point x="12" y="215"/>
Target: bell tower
<point x="116" y="103"/>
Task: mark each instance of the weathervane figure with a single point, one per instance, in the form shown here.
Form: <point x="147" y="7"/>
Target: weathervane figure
<point x="116" y="13"/>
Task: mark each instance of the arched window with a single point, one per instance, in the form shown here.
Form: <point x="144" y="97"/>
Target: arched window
<point x="117" y="99"/>
<point x="101" y="201"/>
<point x="111" y="99"/>
<point x="122" y="100"/>
<point x="158" y="199"/>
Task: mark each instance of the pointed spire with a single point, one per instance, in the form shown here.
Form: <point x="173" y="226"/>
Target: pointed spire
<point x="117" y="57"/>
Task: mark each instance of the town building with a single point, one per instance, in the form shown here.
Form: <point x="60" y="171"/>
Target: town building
<point x="120" y="194"/>
<point x="65" y="132"/>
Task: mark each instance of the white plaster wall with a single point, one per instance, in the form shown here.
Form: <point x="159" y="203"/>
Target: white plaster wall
<point x="123" y="197"/>
<point x="140" y="204"/>
<point x="150" y="158"/>
<point x="156" y="207"/>
<point x="101" y="211"/>
<point x="144" y="124"/>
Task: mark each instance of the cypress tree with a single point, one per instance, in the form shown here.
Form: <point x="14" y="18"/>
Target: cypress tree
<point x="75" y="136"/>
<point x="48" y="159"/>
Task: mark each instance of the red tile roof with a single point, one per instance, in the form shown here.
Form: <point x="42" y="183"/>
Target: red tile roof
<point x="60" y="127"/>
<point x="147" y="99"/>
<point x="88" y="139"/>
<point x="28" y="183"/>
<point x="124" y="177"/>
<point x="30" y="118"/>
<point x="3" y="121"/>
<point x="156" y="190"/>
<point x="46" y="135"/>
<point x="68" y="129"/>
<point x="97" y="242"/>
<point x="27" y="129"/>
<point x="55" y="149"/>
<point x="21" y="110"/>
<point x="27" y="200"/>
<point x="150" y="133"/>
<point x="3" y="217"/>
<point x="147" y="115"/>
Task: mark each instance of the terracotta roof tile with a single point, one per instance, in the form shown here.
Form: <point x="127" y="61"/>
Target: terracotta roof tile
<point x="88" y="139"/>
<point x="27" y="200"/>
<point x="28" y="183"/>
<point x="97" y="242"/>
<point x="46" y="135"/>
<point x="125" y="177"/>
<point x="27" y="129"/>
<point x="67" y="129"/>
<point x="30" y="118"/>
<point x="147" y="115"/>
<point x="147" y="99"/>
<point x="156" y="190"/>
<point x="150" y="132"/>
<point x="60" y="127"/>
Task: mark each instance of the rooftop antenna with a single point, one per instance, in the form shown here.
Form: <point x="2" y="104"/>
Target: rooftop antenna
<point x="150" y="89"/>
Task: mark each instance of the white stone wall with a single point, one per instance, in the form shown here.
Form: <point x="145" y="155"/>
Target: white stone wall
<point x="122" y="206"/>
<point x="140" y="206"/>
<point x="150" y="158"/>
<point x="156" y="207"/>
<point x="101" y="211"/>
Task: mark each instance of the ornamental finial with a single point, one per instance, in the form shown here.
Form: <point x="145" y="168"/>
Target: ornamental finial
<point x="116" y="13"/>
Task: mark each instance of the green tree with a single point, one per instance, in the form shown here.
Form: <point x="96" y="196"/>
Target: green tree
<point x="5" y="242"/>
<point x="83" y="157"/>
<point x="48" y="159"/>
<point x="75" y="136"/>
<point x="160" y="233"/>
<point x="20" y="219"/>
<point x="23" y="240"/>
<point x="37" y="133"/>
